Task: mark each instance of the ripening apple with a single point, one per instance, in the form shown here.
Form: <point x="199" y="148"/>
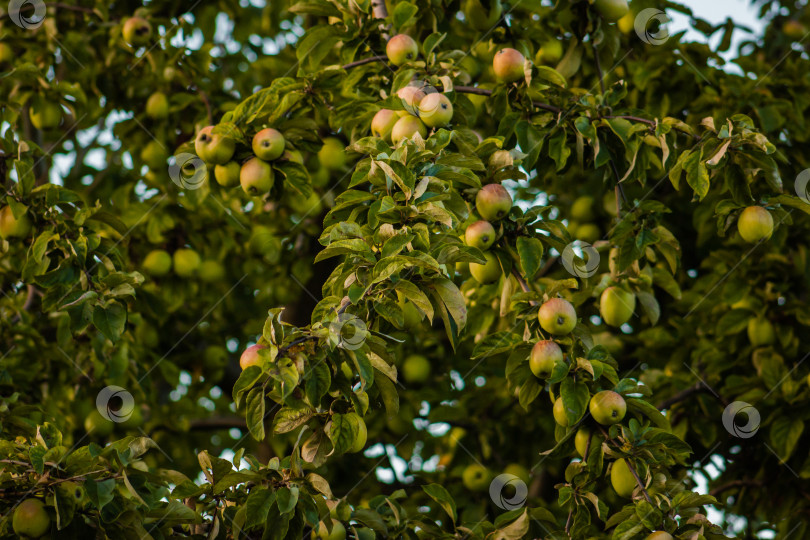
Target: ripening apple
<point x="755" y="224"/>
<point x="545" y="355"/>
<point x="557" y="316"/>
<point x="550" y="53"/>
<point x="214" y="147"/>
<point x="227" y="175"/>
<point x="11" y="227"/>
<point x="382" y="124"/>
<point x="154" y="155"/>
<point x="45" y="114"/>
<point x="406" y="127"/>
<point x="559" y="413"/>
<point x="659" y="535"/>
<point x="616" y="306"/>
<point x="256" y="176"/>
<point x="186" y="262"/>
<point x="157" y="263"/>
<point x="476" y="477"/>
<point x="582" y="209"/>
<point x="362" y="434"/>
<point x="338" y="531"/>
<point x="486" y="273"/>
<point x="435" y="110"/>
<point x="211" y="271"/>
<point x="612" y="10"/>
<point x="157" y="106"/>
<point x="137" y="31"/>
<point x="607" y="407"/>
<point x="416" y="369"/>
<point x="31" y="520"/>
<point x="622" y="479"/>
<point x="411" y="97"/>
<point x="508" y="65"/>
<point x="516" y="469"/>
<point x="250" y="357"/>
<point x="480" y="234"/>
<point x="400" y="49"/>
<point x="493" y="202"/>
<point x="760" y="332"/>
<point x="332" y="154"/>
<point x="268" y="144"/>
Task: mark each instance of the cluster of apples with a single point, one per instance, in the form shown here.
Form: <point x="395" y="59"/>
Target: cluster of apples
<point x="185" y="262"/>
<point x="493" y="203"/>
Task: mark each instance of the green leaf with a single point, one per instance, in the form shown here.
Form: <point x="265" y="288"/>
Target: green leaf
<point x="287" y="498"/>
<point x="110" y="320"/>
<point x="403" y="13"/>
<point x="342" y="430"/>
<point x="530" y="250"/>
<point x="785" y="434"/>
<point x="287" y="419"/>
<point x="254" y="417"/>
<point x="575" y="396"/>
<point x="697" y="175"/>
<point x="439" y="494"/>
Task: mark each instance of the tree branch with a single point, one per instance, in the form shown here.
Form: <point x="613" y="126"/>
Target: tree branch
<point x="380" y="58"/>
<point x="698" y="387"/>
<point x="218" y="422"/>
<point x="638" y="480"/>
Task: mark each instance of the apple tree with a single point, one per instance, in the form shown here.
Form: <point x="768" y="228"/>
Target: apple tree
<point x="402" y="269"/>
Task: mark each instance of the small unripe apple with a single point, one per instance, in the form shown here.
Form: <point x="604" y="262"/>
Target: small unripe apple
<point x="659" y="535"/>
<point x="211" y="271"/>
<point x="480" y="234"/>
<point x="476" y="477"/>
<point x="545" y="355"/>
<point x="6" y="53"/>
<point x="268" y="144"/>
<point x="516" y="469"/>
<point x="611" y="10"/>
<point x="559" y="413"/>
<point x="406" y="127"/>
<point x="362" y="434"/>
<point x="588" y="232"/>
<point x="227" y="175"/>
<point x="582" y="439"/>
<point x="550" y="53"/>
<point x="312" y="205"/>
<point x="31" y="520"/>
<point x="400" y="49"/>
<point x="607" y="407"/>
<point x="338" y="531"/>
<point x="488" y="272"/>
<point x="411" y="97"/>
<point x="157" y="263"/>
<point x="96" y="425"/>
<point x="616" y="306"/>
<point x="557" y="316"/>
<point x="11" y="227"/>
<point x="332" y="154"/>
<point x="214" y="147"/>
<point x="760" y="332"/>
<point x="755" y="223"/>
<point x="250" y="357"/>
<point x="186" y="262"/>
<point x="622" y="479"/>
<point x="435" y="110"/>
<point x="45" y="114"/>
<point x="493" y="202"/>
<point x="154" y="155"/>
<point x="382" y="124"/>
<point x="508" y="65"/>
<point x="626" y="23"/>
<point x="256" y="176"/>
<point x="416" y="369"/>
<point x="582" y="209"/>
<point x="137" y="31"/>
<point x="157" y="106"/>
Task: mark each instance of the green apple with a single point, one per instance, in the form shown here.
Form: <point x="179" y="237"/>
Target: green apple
<point x="268" y="144"/>
<point x="479" y="17"/>
<point x="382" y="124"/>
<point x="755" y="224"/>
<point x="761" y="332"/>
<point x="227" y="175"/>
<point x="262" y="240"/>
<point x="613" y="344"/>
<point x="516" y="469"/>
<point x="582" y="209"/>
<point x="250" y="357"/>
<point x="412" y="316"/>
<point x="627" y="23"/>
<point x="406" y="127"/>
<point x="411" y="97"/>
<point x="11" y="227"/>
<point x="400" y="49"/>
<point x="480" y="234"/>
<point x="611" y="10"/>
<point x="559" y="413"/>
<point x="215" y="357"/>
<point x="45" y="114"/>
<point x="545" y="355"/>
<point x="508" y="65"/>
<point x="488" y="272"/>
<point x="616" y="306"/>
<point x="155" y="155"/>
<point x="311" y="206"/>
<point x="659" y="535"/>
<point x="256" y="176"/>
<point x="550" y="53"/>
<point x="362" y="434"/>
<point x="338" y="531"/>
<point x="214" y="147"/>
<point x="211" y="271"/>
<point x="332" y="154"/>
<point x="557" y="316"/>
<point x="157" y="263"/>
<point x="476" y="477"/>
<point x="186" y="262"/>
<point x="435" y="110"/>
<point x="607" y="407"/>
<point x="493" y="202"/>
<point x="137" y="31"/>
<point x="416" y="369"/>
<point x="157" y="106"/>
<point x="31" y="520"/>
<point x="6" y="53"/>
<point x="582" y="438"/>
<point x="609" y="202"/>
<point x="588" y="232"/>
<point x="97" y="426"/>
<point x="622" y="479"/>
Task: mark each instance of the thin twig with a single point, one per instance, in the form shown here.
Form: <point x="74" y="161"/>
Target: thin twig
<point x="381" y="58"/>
<point x="638" y="480"/>
<point x="698" y="387"/>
